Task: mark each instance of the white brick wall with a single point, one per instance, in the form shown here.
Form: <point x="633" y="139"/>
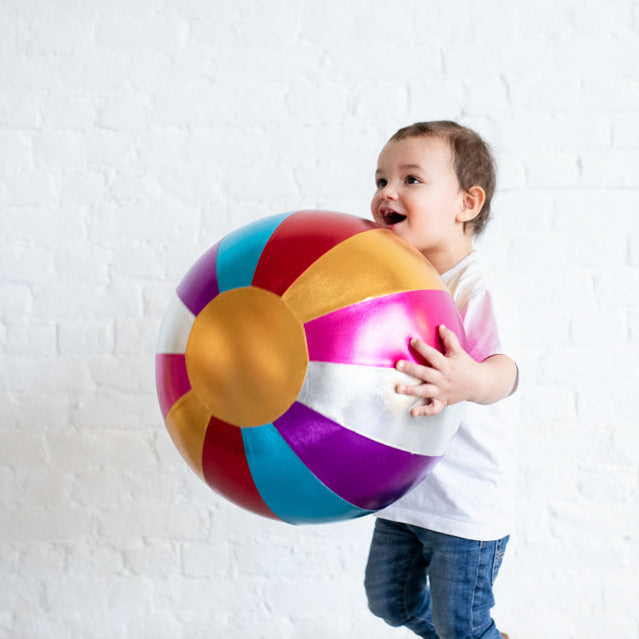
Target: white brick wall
<point x="135" y="134"/>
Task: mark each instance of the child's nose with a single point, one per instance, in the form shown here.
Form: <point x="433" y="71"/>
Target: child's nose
<point x="389" y="191"/>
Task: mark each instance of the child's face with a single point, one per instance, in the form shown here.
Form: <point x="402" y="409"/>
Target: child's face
<point x="418" y="196"/>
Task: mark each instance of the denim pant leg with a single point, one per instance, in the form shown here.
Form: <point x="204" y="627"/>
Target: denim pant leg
<point x="461" y="573"/>
<point x="396" y="579"/>
<point x="457" y="599"/>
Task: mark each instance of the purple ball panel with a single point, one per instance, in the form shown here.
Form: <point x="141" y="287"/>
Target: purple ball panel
<point x="365" y="473"/>
<point x="200" y="285"/>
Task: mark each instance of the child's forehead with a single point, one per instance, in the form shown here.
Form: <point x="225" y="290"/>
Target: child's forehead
<point x="416" y="150"/>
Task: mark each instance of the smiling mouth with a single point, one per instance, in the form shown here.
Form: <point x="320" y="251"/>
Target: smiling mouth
<point x="392" y="217"/>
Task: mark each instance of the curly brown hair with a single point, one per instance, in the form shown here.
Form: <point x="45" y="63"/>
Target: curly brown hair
<point x="473" y="160"/>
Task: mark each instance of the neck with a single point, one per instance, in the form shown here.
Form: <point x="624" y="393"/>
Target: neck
<point x="444" y="259"/>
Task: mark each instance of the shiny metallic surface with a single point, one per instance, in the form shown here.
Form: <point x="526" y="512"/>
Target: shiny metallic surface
<point x="365" y="265"/>
<point x="175" y="328"/>
<point x="363" y="399"/>
<point x="365" y="473"/>
<point x="377" y="332"/>
<point x="187" y="422"/>
<point x="275" y="366"/>
<point x="246" y="356"/>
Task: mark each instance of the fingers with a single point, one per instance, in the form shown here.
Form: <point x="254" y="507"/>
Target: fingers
<point x="432" y="407"/>
<point x="418" y="371"/>
<point x="430" y="376"/>
<point x="423" y="391"/>
<point x="433" y="357"/>
<point x="430" y="354"/>
<point x="449" y="339"/>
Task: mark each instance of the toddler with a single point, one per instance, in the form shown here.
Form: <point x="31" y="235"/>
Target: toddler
<point x="436" y="552"/>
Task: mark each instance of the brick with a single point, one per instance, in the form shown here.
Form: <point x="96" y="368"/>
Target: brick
<point x="546" y="93"/>
<point x="138" y="261"/>
<point x="615" y="170"/>
<point x="621" y="402"/>
<point x="124" y="374"/>
<point x="125" y="521"/>
<point x="21" y="447"/>
<point x="85" y="338"/>
<point x="511" y="174"/>
<point x="29" y="522"/>
<point x="135" y="187"/>
<point x="134" y="336"/>
<point x="633" y="321"/>
<point x="54" y="380"/>
<point x="96" y="412"/>
<point x="31" y="188"/>
<point x="61" y="594"/>
<point x="599" y="327"/>
<point x="67" y="110"/>
<point x="624" y="134"/>
<point x="581" y="367"/>
<point x="128" y="112"/>
<point x="633" y="250"/>
<point x="26" y="262"/>
<point x="602" y="248"/>
<point x="82" y="187"/>
<point x="20" y="109"/>
<point x="156" y="222"/>
<point x="43" y="484"/>
<point x="545" y="328"/>
<point x="598" y="208"/>
<point x="560" y="290"/>
<point x="608" y="484"/>
<point x="201" y="106"/>
<point x="612" y="52"/>
<point x="535" y="59"/>
<point x="552" y="171"/>
<point x="205" y="560"/>
<point x="617" y="287"/>
<point x="97" y="149"/>
<point x="51" y="407"/>
<point x="153" y="30"/>
<point x="162" y="624"/>
<point x="310" y="103"/>
<point x="612" y="92"/>
<point x="552" y="130"/>
<point x="26" y="224"/>
<point x="106" y="488"/>
<point x="99" y="448"/>
<point x="547" y="405"/>
<point x="40" y="558"/>
<point x="31" y="339"/>
<point x="15" y="153"/>
<point x="66" y="35"/>
<point x="15" y="300"/>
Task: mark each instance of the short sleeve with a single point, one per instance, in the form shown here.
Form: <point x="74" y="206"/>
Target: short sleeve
<point x="491" y="326"/>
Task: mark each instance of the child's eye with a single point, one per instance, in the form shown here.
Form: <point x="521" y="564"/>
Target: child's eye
<point x="411" y="179"/>
<point x="381" y="183"/>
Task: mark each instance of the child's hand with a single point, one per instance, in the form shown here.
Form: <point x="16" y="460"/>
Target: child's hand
<point x="447" y="378"/>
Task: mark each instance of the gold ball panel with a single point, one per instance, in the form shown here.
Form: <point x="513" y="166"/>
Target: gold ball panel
<point x="246" y="356"/>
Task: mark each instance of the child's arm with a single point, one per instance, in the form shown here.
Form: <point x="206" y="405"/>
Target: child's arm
<point x="455" y="376"/>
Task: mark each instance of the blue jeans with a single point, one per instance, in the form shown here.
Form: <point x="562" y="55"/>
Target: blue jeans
<point x="439" y="586"/>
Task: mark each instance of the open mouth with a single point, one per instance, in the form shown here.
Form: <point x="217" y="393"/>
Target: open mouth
<point x="392" y="217"/>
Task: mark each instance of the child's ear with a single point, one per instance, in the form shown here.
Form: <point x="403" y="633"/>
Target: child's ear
<point x="472" y="201"/>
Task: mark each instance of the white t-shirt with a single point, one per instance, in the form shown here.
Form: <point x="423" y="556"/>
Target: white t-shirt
<point x="470" y="493"/>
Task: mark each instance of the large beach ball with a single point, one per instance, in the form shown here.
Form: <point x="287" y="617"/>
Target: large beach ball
<point x="275" y="366"/>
